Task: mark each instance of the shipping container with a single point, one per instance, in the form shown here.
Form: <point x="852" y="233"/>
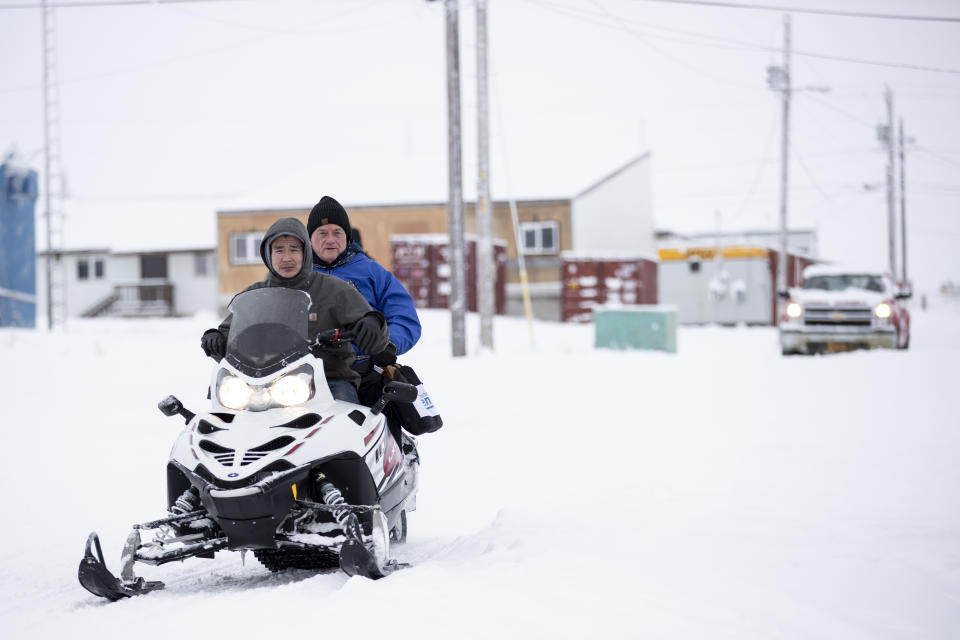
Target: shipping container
<point x="724" y="285"/>
<point x="591" y="281"/>
<point x="421" y="262"/>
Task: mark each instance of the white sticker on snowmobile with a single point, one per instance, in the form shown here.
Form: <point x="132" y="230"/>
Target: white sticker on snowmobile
<point x="423" y="404"/>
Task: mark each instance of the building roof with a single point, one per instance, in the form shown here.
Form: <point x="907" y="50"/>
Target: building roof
<point x="405" y="205"/>
<point x="644" y="157"/>
<point x="128" y="225"/>
<point x="133" y="226"/>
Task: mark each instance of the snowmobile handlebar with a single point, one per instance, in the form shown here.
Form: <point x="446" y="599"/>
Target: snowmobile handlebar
<point x="333" y="337"/>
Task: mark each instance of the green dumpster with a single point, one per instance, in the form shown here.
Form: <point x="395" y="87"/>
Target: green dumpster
<point x="652" y="327"/>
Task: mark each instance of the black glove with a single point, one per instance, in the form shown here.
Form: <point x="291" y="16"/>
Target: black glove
<point x="387" y="356"/>
<point x="213" y="344"/>
<point x="367" y="334"/>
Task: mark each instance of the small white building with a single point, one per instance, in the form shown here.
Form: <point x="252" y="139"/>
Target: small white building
<point x="730" y="284"/>
<point x="160" y="263"/>
<point x="99" y="282"/>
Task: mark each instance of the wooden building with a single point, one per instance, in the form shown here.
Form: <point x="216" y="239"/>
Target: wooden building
<point x="612" y="214"/>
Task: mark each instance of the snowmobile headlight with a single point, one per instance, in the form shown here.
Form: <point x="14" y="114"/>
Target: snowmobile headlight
<point x="233" y="392"/>
<point x="794" y="310"/>
<point x="882" y="311"/>
<point x="292" y="389"/>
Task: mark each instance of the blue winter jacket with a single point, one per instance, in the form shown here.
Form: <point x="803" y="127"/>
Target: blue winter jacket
<point x="381" y="289"/>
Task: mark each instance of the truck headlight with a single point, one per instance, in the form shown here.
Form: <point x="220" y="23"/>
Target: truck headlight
<point x="882" y="311"/>
<point x="794" y="310"/>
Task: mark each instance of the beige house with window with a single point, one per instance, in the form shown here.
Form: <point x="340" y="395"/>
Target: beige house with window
<point x="613" y="214"/>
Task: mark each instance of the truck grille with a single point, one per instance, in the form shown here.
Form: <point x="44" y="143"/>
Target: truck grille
<point x="838" y="316"/>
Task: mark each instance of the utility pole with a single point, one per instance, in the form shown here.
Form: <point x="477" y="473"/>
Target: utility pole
<point x="458" y="297"/>
<point x="46" y="162"/>
<point x="890" y="141"/>
<point x="778" y="79"/>
<point x="903" y="206"/>
<point x="485" y="265"/>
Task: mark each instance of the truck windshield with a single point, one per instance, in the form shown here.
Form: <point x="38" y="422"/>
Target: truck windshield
<point x="841" y="282"/>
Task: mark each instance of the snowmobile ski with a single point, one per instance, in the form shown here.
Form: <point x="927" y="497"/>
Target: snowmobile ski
<point x="374" y="562"/>
<point x="97" y="579"/>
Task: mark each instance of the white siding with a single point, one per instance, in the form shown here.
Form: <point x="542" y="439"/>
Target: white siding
<point x="689" y="290"/>
<point x="83" y="294"/>
<point x="192" y="293"/>
<point x="617" y="214"/>
<point x="126" y="268"/>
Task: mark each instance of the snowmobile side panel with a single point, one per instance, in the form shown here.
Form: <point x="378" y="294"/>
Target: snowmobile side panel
<point x="392" y="500"/>
<point x="177" y="483"/>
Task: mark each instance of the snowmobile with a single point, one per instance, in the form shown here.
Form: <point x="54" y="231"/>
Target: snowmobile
<point x="277" y="466"/>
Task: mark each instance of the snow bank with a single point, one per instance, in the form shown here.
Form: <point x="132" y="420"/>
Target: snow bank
<point x="721" y="492"/>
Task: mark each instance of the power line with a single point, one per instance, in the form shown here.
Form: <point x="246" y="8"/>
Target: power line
<point x="933" y="154"/>
<point x="877" y="63"/>
<point x="825" y="12"/>
<point x="621" y="24"/>
<point x="761" y="165"/>
<point x="618" y="24"/>
<point x="99" y="3"/>
<point x="732" y="44"/>
<point x="813" y="181"/>
<point x="842" y="112"/>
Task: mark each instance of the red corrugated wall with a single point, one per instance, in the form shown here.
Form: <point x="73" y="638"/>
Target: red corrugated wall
<point x="588" y="282"/>
<point x="423" y="268"/>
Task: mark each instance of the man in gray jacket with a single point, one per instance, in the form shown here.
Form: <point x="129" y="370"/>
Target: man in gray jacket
<point x="335" y="304"/>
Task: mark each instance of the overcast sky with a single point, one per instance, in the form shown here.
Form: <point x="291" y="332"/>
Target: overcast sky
<point x="178" y="110"/>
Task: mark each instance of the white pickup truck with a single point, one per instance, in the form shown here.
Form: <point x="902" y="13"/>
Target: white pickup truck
<point x="841" y="308"/>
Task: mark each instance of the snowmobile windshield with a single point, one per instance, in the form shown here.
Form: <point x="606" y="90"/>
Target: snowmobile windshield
<point x="268" y="329"/>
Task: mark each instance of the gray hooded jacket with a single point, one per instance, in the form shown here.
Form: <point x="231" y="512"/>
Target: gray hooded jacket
<point x="335" y="303"/>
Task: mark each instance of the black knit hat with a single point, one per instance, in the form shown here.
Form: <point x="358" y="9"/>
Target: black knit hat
<point x="328" y="211"/>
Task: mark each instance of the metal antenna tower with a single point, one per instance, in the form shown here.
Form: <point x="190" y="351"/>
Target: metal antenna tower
<point x="53" y="183"/>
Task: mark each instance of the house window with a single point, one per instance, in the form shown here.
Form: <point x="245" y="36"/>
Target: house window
<point x="245" y="248"/>
<point x="201" y="264"/>
<point x="98" y="269"/>
<point x="153" y="266"/>
<point x="540" y="237"/>
<point x="83" y="269"/>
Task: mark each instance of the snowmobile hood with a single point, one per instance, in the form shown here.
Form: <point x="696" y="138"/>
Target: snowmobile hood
<point x="287" y="227"/>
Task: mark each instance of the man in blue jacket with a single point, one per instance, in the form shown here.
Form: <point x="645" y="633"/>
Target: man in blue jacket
<point x="334" y="253"/>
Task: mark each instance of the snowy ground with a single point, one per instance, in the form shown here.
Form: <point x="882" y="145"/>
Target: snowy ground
<point x="721" y="492"/>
